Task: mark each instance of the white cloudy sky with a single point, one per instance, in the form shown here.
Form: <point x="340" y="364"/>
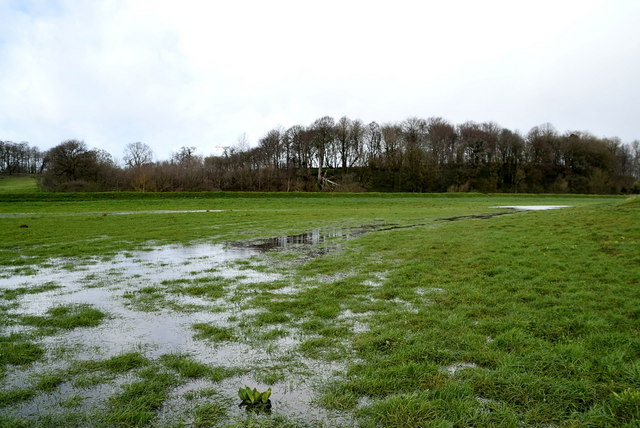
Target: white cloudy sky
<point x="201" y="73"/>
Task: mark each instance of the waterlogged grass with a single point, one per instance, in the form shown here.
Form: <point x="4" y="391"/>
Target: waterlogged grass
<point x="136" y="405"/>
<point x="117" y="364"/>
<point x="14" y="396"/>
<point x="14" y="293"/>
<point x="48" y="382"/>
<point x="53" y="218"/>
<point x="208" y="415"/>
<point x="207" y="287"/>
<point x="213" y="333"/>
<point x="66" y="317"/>
<point x="528" y="319"/>
<point x="15" y="351"/>
<point x="185" y="366"/>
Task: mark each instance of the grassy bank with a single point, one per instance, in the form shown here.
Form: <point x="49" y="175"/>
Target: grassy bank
<point x="525" y="319"/>
<point x="18" y="185"/>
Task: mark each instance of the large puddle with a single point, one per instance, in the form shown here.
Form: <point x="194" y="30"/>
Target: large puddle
<point x="147" y="312"/>
<point x="533" y="207"/>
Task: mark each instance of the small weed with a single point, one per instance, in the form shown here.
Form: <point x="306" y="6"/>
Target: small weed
<point x="25" y="271"/>
<point x="147" y="299"/>
<point x="252" y="398"/>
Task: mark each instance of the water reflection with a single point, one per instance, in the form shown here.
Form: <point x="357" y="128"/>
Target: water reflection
<point x="165" y="329"/>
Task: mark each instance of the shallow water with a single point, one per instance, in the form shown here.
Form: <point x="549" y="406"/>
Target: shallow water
<point x="163" y="327"/>
<point x="533" y="207"/>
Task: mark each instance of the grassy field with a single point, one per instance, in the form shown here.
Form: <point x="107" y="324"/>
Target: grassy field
<point x="424" y="317"/>
<point x="18" y="185"/>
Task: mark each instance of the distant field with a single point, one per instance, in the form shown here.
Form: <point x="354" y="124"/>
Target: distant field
<point x="370" y="310"/>
<point x="18" y="185"/>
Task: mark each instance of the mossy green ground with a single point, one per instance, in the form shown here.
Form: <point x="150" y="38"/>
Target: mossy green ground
<point x="528" y="319"/>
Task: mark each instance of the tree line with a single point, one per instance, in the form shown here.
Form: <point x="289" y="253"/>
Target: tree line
<point x="415" y="155"/>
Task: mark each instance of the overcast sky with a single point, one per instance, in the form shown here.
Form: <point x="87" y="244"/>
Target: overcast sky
<point x="202" y="73"/>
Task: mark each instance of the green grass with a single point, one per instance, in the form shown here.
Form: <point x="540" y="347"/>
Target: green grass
<point x="528" y="319"/>
<point x="56" y="217"/>
<point x="136" y="405"/>
<point x="185" y="366"/>
<point x="19" y="185"/>
<point x="117" y="364"/>
<point x="213" y="333"/>
<point x="208" y="415"/>
<point x="209" y="287"/>
<point x="66" y="317"/>
<point x="14" y="293"/>
<point x="13" y="396"/>
<point x="16" y="352"/>
<point x="48" y="382"/>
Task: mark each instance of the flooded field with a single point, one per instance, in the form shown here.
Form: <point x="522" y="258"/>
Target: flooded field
<point x="164" y="301"/>
<point x="417" y="316"/>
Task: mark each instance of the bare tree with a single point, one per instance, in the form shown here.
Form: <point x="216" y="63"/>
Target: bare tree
<point x="373" y="141"/>
<point x="356" y="143"/>
<point x="184" y="155"/>
<point x="271" y="146"/>
<point x="441" y="139"/>
<point x="137" y="154"/>
<point x="323" y="137"/>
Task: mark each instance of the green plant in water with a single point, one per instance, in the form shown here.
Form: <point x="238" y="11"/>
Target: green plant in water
<point x="254" y="399"/>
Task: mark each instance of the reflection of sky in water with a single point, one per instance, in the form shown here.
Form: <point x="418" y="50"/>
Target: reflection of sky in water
<point x="103" y="284"/>
<point x="160" y="263"/>
<point x="533" y="207"/>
